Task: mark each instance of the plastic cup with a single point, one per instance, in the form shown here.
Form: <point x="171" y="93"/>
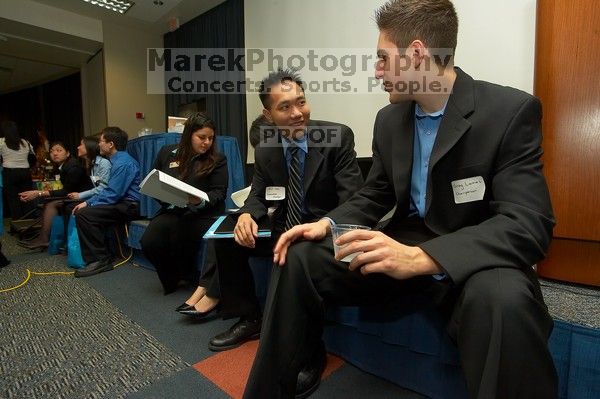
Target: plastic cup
<point x="340" y="229"/>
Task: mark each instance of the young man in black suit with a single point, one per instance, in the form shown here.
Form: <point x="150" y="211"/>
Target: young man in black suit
<point x="328" y="174"/>
<point x="460" y="160"/>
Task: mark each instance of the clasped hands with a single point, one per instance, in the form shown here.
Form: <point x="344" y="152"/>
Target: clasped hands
<point x="380" y="253"/>
<point x="30" y="195"/>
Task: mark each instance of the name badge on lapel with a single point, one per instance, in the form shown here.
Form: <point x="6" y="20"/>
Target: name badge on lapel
<point x="275" y="193"/>
<point x="173" y="164"/>
<point x="468" y="190"/>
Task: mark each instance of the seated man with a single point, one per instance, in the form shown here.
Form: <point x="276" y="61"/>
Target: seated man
<point x="118" y="203"/>
<point x="461" y="163"/>
<point x="305" y="178"/>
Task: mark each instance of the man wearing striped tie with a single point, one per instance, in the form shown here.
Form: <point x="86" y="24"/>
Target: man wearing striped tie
<point x="305" y="168"/>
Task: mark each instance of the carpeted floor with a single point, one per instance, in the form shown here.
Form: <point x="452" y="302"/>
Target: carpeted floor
<point x="115" y="335"/>
<point x="62" y="339"/>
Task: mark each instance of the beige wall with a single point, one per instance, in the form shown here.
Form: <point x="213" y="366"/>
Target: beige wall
<point x="93" y="95"/>
<point x="486" y="49"/>
<point x="125" y="79"/>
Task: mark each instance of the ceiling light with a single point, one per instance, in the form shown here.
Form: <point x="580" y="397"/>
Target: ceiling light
<point x="119" y="6"/>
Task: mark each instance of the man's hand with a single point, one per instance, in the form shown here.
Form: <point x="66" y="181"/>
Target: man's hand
<point x="79" y="206"/>
<point x="245" y="231"/>
<point x="73" y="196"/>
<point x="308" y="231"/>
<point x="381" y="254"/>
<point x="30" y="195"/>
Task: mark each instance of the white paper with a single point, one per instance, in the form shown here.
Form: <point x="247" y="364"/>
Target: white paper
<point x="275" y="193"/>
<point x="168" y="189"/>
<point x="468" y="190"/>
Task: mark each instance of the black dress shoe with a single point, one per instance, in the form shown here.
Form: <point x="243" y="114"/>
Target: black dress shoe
<point x="309" y="377"/>
<point x="198" y="315"/>
<point x="184" y="306"/>
<point x="96" y="267"/>
<point x="240" y="332"/>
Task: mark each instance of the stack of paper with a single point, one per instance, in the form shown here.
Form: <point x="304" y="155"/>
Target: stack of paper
<point x="166" y="188"/>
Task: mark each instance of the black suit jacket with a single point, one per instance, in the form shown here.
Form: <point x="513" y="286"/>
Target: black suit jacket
<point x="331" y="173"/>
<point x="214" y="184"/>
<point x="73" y="177"/>
<point x="488" y="131"/>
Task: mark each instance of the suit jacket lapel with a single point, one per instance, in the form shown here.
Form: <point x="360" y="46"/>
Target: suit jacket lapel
<point x="454" y="123"/>
<point x="276" y="166"/>
<point x="402" y="143"/>
<point x="312" y="162"/>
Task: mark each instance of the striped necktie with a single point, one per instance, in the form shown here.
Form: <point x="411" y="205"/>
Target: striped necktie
<point x="294" y="191"/>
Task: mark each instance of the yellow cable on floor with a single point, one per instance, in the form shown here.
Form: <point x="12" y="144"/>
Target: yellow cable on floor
<point x="30" y="273"/>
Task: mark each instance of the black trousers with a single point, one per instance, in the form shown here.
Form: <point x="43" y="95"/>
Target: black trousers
<point x="238" y="294"/>
<point x="16" y="181"/>
<point x="497" y="318"/>
<point x="93" y="221"/>
<point x="172" y="241"/>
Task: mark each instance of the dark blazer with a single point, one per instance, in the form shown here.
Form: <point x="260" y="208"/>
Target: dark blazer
<point x="214" y="184"/>
<point x="331" y="173"/>
<point x="73" y="177"/>
<point x="488" y="131"/>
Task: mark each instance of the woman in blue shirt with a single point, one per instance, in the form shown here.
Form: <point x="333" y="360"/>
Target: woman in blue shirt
<point x="97" y="166"/>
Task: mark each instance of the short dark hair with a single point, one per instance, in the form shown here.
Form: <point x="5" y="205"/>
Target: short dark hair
<point x="60" y="144"/>
<point x="258" y="129"/>
<point x="117" y="136"/>
<point x="432" y="21"/>
<point x="279" y="76"/>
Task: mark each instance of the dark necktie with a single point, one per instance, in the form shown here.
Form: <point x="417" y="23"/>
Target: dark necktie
<point x="294" y="192"/>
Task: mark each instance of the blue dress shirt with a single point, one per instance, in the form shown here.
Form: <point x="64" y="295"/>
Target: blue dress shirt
<point x="426" y="129"/>
<point x="123" y="184"/>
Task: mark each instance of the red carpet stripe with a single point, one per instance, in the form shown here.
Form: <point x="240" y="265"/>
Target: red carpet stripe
<point x="229" y="370"/>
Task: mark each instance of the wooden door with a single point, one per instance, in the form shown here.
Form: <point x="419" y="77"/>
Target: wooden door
<point x="567" y="80"/>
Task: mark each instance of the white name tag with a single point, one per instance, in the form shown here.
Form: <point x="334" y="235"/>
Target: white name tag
<point x="468" y="190"/>
<point x="275" y="193"/>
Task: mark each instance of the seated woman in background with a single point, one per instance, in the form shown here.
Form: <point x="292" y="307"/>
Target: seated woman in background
<point x="174" y="236"/>
<point x="97" y="167"/>
<point x="73" y="178"/>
